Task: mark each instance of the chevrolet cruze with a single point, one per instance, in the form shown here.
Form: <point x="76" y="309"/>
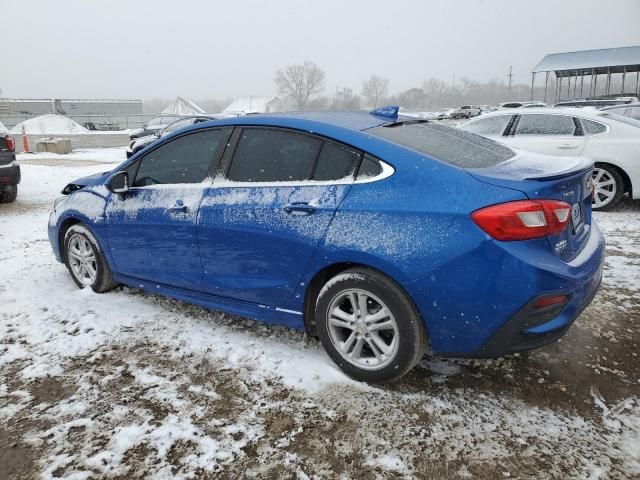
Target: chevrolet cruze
<point x="384" y="236"/>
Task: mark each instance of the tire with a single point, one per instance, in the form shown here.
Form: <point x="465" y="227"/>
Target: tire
<point x="8" y="193"/>
<point x="608" y="187"/>
<point x="85" y="261"/>
<point x="355" y="345"/>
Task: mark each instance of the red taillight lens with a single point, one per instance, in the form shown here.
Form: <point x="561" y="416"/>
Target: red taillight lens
<point x="523" y="220"/>
<point x="11" y="144"/>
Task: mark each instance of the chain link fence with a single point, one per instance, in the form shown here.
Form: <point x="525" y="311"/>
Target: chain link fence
<point x="92" y="122"/>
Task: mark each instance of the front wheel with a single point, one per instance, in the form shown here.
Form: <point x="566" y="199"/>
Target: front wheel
<point x="85" y="260"/>
<point x="608" y="187"/>
<point x="368" y="326"/>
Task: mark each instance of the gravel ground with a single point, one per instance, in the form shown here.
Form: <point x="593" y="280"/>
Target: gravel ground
<point x="131" y="385"/>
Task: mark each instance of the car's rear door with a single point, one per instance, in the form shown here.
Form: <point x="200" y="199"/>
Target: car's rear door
<point x="262" y="219"/>
<point x="151" y="229"/>
<point x="551" y="134"/>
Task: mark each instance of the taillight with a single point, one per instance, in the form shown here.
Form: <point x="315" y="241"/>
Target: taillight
<point x="523" y="219"/>
<point x="11" y="143"/>
<point x="549" y="300"/>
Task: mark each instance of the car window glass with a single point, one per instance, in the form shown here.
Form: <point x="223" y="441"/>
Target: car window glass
<point x="271" y="155"/>
<point x="634" y="112"/>
<point x="450" y="145"/>
<point x="593" y="128"/>
<point x="545" y="125"/>
<point x="185" y="159"/>
<point x="370" y="167"/>
<point x="335" y="162"/>
<point x="489" y="126"/>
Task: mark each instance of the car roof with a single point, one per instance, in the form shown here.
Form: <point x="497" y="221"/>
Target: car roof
<point x="621" y="106"/>
<point x="580" y="112"/>
<point x="357" y="121"/>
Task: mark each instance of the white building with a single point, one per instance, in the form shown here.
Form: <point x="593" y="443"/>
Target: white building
<point x="254" y="105"/>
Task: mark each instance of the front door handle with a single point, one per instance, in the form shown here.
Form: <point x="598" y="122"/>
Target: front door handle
<point x="299" y="208"/>
<point x="567" y="146"/>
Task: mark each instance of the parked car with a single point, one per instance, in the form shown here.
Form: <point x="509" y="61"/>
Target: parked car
<point x="9" y="170"/>
<point x="611" y="140"/>
<point x="510" y="105"/>
<point x="597" y="102"/>
<point x="466" y="111"/>
<point x="631" y="110"/>
<point x="155" y="125"/>
<point x="534" y="105"/>
<point x="139" y="143"/>
<point x="348" y="225"/>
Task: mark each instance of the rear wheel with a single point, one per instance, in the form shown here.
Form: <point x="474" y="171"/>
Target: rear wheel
<point x="368" y="326"/>
<point x="608" y="187"/>
<point x="85" y="260"/>
<point x="8" y="193"/>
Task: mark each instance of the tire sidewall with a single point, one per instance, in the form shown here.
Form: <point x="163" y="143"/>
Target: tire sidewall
<point x="101" y="265"/>
<point x="619" y="188"/>
<point x="411" y="339"/>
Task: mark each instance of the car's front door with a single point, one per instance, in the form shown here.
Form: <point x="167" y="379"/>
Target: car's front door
<point x="152" y="228"/>
<point x="262" y="220"/>
<point x="550" y="134"/>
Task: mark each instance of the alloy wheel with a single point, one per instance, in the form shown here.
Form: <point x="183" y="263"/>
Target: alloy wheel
<point x="362" y="329"/>
<point x="82" y="260"/>
<point x="604" y="187"/>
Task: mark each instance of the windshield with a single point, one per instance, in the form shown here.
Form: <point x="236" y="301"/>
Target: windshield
<point x="453" y="146"/>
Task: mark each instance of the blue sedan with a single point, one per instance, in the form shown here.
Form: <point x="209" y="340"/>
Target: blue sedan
<point x="384" y="236"/>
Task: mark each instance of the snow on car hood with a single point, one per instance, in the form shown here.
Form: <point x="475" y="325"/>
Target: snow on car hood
<point x="91" y="180"/>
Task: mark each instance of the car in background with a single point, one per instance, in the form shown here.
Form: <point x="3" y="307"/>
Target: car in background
<point x="510" y="105"/>
<point x="534" y="105"/>
<point x="155" y="125"/>
<point x="611" y="140"/>
<point x="139" y="143"/>
<point x="597" y="102"/>
<point x="631" y="110"/>
<point x="9" y="169"/>
<point x="350" y="226"/>
<point x="465" y="111"/>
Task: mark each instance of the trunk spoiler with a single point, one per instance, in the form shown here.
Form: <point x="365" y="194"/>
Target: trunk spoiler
<point x="532" y="166"/>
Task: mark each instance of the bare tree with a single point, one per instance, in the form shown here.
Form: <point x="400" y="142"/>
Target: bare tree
<point x="375" y="90"/>
<point x="345" y="99"/>
<point x="298" y="82"/>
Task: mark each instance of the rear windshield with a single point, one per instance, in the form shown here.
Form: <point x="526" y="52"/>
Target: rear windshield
<point x="450" y="145"/>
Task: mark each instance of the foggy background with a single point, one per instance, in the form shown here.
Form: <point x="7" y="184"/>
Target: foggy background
<point x="214" y="51"/>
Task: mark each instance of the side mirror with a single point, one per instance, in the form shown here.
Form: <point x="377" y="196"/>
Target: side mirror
<point x="119" y="183"/>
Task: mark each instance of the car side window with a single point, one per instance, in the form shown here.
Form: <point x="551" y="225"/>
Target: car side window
<point x="185" y="159"/>
<point x="273" y="155"/>
<point x="489" y="125"/>
<point x="335" y="162"/>
<point x="592" y="128"/>
<point x="369" y="168"/>
<point x="633" y="112"/>
<point x="538" y="124"/>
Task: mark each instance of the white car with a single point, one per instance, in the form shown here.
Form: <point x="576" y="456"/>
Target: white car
<point x="466" y="111"/>
<point x="611" y="141"/>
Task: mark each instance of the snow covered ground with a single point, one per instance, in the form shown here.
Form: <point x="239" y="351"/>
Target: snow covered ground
<point x="131" y="385"/>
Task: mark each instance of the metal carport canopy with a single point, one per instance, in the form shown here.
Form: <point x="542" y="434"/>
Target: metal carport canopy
<point x="586" y="62"/>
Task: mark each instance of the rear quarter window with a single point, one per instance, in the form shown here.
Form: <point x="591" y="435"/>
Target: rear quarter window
<point x="449" y="145"/>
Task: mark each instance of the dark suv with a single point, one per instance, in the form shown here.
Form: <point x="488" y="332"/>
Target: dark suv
<point x="9" y="170"/>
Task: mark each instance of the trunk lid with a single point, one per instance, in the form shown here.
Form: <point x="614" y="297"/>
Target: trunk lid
<point x="548" y="177"/>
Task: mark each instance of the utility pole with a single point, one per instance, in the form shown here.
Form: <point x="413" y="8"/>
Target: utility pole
<point x="510" y="75"/>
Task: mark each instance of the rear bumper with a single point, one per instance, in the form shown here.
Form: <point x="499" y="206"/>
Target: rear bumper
<point x="10" y="174"/>
<point x="481" y="305"/>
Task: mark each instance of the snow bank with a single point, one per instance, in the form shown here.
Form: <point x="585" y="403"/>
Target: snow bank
<point x="49" y="124"/>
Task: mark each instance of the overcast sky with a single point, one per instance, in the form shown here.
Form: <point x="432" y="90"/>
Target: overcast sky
<point x="221" y="49"/>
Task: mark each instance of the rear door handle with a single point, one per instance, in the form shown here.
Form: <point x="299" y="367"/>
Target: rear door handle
<point x="567" y="146"/>
<point x="299" y="208"/>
